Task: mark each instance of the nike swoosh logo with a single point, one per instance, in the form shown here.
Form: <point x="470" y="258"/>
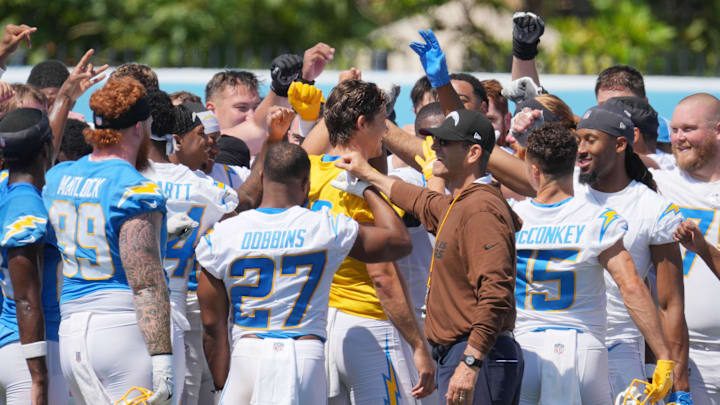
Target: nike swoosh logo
<point x="153" y="204"/>
<point x="489" y="246"/>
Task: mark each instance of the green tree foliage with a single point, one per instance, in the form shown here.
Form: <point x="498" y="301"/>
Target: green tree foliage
<point x="198" y="32"/>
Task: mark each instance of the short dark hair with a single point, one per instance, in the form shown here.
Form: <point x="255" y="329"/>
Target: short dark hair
<point x="621" y="77"/>
<point x="49" y="73"/>
<point x="431" y="110"/>
<point x="140" y="72"/>
<point x="422" y="86"/>
<point x="554" y="148"/>
<point x="183" y="96"/>
<point x="478" y="88"/>
<point x="346" y="103"/>
<point x="286" y="162"/>
<point x="227" y="78"/>
<point x="73" y="143"/>
<point x="162" y="111"/>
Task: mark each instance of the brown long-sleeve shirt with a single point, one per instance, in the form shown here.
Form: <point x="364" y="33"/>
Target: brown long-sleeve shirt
<point x="473" y="276"/>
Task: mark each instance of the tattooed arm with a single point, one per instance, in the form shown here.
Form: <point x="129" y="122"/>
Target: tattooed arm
<point x="140" y="256"/>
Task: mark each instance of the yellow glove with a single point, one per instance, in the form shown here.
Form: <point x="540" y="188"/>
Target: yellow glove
<point x="662" y="380"/>
<point x="426" y="161"/>
<point x="305" y="99"/>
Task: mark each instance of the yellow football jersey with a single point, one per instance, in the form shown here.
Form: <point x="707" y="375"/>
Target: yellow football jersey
<point x="352" y="289"/>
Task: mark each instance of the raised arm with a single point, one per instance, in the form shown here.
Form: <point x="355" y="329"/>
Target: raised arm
<point x="214" y="308"/>
<point x="140" y="256"/>
<point x="671" y="299"/>
<point x="13" y="35"/>
<point x="693" y="240"/>
<point x="26" y="280"/>
<point x="641" y="308"/>
<point x="80" y="80"/>
<point x="527" y="30"/>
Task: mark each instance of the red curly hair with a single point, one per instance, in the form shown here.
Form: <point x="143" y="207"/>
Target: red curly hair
<point x="112" y="100"/>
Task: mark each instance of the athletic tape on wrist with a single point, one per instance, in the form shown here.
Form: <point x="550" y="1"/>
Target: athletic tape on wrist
<point x="34" y="349"/>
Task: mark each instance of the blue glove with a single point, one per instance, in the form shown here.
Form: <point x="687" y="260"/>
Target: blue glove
<point x="680" y="398"/>
<point x="432" y="59"/>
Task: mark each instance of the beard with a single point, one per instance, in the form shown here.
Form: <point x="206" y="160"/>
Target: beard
<point x="141" y="160"/>
<point x="700" y="155"/>
<point x="590" y="177"/>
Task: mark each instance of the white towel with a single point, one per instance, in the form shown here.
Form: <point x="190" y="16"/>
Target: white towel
<point x="87" y="381"/>
<point x="560" y="381"/>
<point x="276" y="379"/>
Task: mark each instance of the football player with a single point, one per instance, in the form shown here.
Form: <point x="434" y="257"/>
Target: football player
<point x="115" y="331"/>
<point x="30" y="313"/>
<point x="271" y="268"/>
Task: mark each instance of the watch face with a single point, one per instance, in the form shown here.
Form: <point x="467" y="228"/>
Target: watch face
<point x="469" y="360"/>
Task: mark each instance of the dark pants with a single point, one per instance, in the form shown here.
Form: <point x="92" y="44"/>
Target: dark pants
<point x="499" y="378"/>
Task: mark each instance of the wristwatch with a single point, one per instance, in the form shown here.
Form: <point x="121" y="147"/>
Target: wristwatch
<point x="471" y="361"/>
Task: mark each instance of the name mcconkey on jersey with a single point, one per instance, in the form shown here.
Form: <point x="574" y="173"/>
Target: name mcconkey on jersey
<point x="80" y="187"/>
<point x="275" y="239"/>
<point x="550" y="235"/>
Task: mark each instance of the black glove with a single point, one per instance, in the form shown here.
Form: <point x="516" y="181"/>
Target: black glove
<point x="527" y="30"/>
<point x="284" y="70"/>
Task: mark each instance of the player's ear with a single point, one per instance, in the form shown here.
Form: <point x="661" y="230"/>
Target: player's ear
<point x="362" y="122"/>
<point x="210" y="106"/>
<point x="474" y="154"/>
<point x="178" y="140"/>
<point x="621" y="144"/>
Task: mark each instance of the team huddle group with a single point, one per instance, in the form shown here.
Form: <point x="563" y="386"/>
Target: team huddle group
<point x="304" y="249"/>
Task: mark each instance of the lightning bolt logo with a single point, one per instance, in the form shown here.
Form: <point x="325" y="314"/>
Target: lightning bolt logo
<point x="25" y="222"/>
<point x="3" y="175"/>
<point x="670" y="208"/>
<point x="391" y="385"/>
<point x="146" y="188"/>
<point x="610" y="216"/>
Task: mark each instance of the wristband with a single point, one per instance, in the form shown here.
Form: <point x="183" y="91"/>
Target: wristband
<point x="34" y="349"/>
<point x="302" y="80"/>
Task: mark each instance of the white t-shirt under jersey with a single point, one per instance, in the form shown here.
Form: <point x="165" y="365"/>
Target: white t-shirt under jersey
<point x="698" y="201"/>
<point x="651" y="219"/>
<point x="559" y="278"/>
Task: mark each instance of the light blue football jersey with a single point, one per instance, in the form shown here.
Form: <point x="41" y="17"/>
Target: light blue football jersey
<point x="87" y="202"/>
<point x="24" y="221"/>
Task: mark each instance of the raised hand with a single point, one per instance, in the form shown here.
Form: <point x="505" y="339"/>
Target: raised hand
<point x="527" y="30"/>
<point x="428" y="159"/>
<point x="278" y="122"/>
<point x="84" y="76"/>
<point x="305" y="99"/>
<point x="315" y="60"/>
<point x="432" y="58"/>
<point x="284" y="70"/>
<point x="11" y="39"/>
<point x="690" y="236"/>
<point x="351" y="74"/>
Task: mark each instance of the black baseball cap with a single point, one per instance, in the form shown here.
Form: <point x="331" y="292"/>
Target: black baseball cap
<point x="467" y="126"/>
<point x="613" y="120"/>
<point x="641" y="112"/>
<point x="23" y="132"/>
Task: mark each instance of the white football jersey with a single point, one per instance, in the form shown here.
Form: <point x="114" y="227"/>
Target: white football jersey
<point x="698" y="201"/>
<point x="666" y="161"/>
<point x="652" y="220"/>
<point x="229" y="175"/>
<point x="559" y="278"/>
<point x="415" y="267"/>
<point x="277" y="266"/>
<point x="203" y="200"/>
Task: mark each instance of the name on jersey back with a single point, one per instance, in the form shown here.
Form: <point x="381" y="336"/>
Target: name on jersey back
<point x="175" y="190"/>
<point x="80" y="187"/>
<point x="550" y="235"/>
<point x="280" y="239"/>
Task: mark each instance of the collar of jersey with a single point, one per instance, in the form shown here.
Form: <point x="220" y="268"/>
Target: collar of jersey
<point x="329" y="158"/>
<point x="271" y="210"/>
<point x="23" y="184"/>
<point x="557" y="204"/>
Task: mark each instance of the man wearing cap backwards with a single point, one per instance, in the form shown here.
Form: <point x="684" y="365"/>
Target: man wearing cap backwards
<point x="470" y="304"/>
<point x="28" y="346"/>
<point x="694" y="185"/>
<point x="562" y="249"/>
<point x="610" y="174"/>
<point x="109" y="221"/>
